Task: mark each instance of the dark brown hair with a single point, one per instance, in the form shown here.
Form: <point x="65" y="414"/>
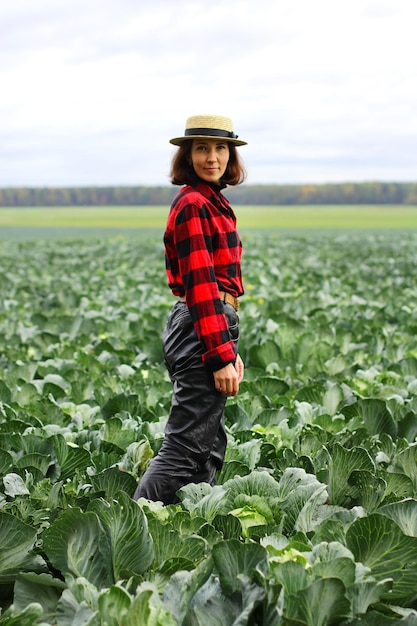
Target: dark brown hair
<point x="182" y="173"/>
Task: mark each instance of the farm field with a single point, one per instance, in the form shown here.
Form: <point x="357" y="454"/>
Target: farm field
<point x="313" y="520"/>
<point x="263" y="217"/>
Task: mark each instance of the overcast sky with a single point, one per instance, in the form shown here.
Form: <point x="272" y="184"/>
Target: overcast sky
<point x="92" y="90"/>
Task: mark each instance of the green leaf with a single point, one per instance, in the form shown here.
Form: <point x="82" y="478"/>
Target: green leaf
<point x="366" y="593"/>
<point x="113" y="605"/>
<point x="258" y="483"/>
<point x="76" y="543"/>
<point x="34" y="459"/>
<point x="248" y="517"/>
<point x="229" y="526"/>
<point x="299" y="496"/>
<point x="332" y="399"/>
<point x="120" y="403"/>
<point x="270" y="386"/>
<point x="248" y="452"/>
<point x="114" y="432"/>
<point x="5" y="393"/>
<point x="203" y="500"/>
<point x="342" y="463"/>
<point x="168" y="546"/>
<point x="231" y="469"/>
<point x="17" y="541"/>
<point x="78" y="605"/>
<point x="112" y="481"/>
<point x="407" y="427"/>
<point x="264" y="354"/>
<point x="398" y="485"/>
<point x="147" y="610"/>
<point x="28" y="394"/>
<point x="375" y="416"/>
<point x="333" y="560"/>
<point x="329" y="397"/>
<point x="30" y="588"/>
<point x="185" y="524"/>
<point x="233" y="558"/>
<point x="211" y="606"/>
<point x="379" y="543"/>
<point x="407" y="366"/>
<point x="407" y="462"/>
<point x="182" y="587"/>
<point x="71" y="458"/>
<point x="403" y="513"/>
<point x="6" y="461"/>
<point x="291" y="574"/>
<point x="370" y="489"/>
<point x="313" y="393"/>
<point x="14" y="485"/>
<point x="310" y="514"/>
<point x="137" y="456"/>
<point x="30" y="616"/>
<point x="126" y="527"/>
<point x="321" y="603"/>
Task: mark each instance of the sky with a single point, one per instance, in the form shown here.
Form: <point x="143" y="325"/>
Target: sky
<point x="91" y="91"/>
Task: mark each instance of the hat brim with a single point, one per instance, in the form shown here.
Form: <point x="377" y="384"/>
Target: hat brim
<point x="177" y="141"/>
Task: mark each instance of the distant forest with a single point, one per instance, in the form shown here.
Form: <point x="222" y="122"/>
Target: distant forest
<point x="341" y="193"/>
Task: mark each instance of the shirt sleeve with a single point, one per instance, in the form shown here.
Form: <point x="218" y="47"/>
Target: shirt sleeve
<point x="194" y="236"/>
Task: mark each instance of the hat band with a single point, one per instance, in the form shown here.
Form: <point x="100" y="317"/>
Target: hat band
<point x="210" y="132"/>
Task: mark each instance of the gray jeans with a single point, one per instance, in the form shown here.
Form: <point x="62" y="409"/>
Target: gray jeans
<point x="195" y="437"/>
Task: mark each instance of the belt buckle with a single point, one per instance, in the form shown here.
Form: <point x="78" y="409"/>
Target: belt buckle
<point x="228" y="298"/>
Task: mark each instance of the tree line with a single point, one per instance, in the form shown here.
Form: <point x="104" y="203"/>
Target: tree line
<point x="334" y="193"/>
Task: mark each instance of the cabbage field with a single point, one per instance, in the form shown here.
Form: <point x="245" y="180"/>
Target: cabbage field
<point x="313" y="520"/>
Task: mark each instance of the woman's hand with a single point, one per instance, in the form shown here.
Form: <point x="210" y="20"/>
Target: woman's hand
<point x="240" y="368"/>
<point x="227" y="379"/>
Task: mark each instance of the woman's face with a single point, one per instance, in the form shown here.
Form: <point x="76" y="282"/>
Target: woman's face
<point x="209" y="158"/>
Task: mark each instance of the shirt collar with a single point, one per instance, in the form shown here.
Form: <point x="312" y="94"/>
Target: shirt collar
<point x="196" y="180"/>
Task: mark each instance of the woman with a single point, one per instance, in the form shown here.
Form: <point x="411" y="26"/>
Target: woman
<point x="200" y="340"/>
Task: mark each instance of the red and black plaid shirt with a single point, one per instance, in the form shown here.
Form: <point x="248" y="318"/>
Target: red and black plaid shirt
<point x="203" y="252"/>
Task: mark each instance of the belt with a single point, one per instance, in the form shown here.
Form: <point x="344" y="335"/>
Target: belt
<point x="225" y="297"/>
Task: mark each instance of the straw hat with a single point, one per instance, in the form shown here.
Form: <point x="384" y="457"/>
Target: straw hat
<point x="203" y="126"/>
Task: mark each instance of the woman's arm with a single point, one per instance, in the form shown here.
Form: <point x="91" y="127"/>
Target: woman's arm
<point x="190" y="233"/>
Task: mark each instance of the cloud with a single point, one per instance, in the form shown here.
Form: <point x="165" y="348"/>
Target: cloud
<point x="93" y="89"/>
